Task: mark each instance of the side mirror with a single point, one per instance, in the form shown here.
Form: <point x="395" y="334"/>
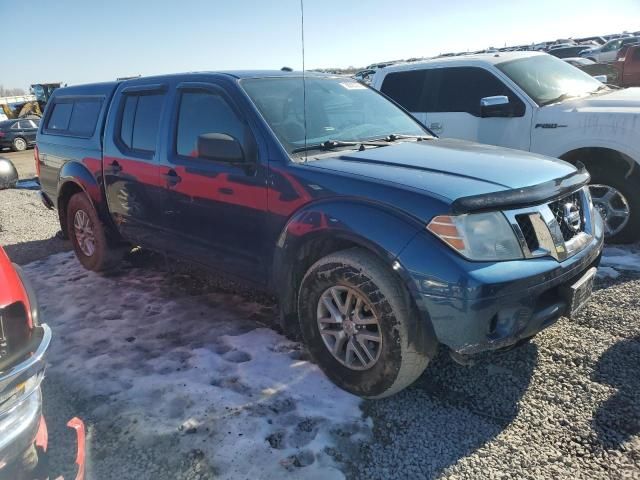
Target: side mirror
<point x="601" y="78"/>
<point x="496" y="106"/>
<point x="220" y="147"/>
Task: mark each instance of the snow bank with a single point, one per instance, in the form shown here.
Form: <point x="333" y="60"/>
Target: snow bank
<point x="164" y="362"/>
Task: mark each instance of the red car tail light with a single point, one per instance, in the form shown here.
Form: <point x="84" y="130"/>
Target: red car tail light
<point x="36" y="157"/>
<point x="2" y="134"/>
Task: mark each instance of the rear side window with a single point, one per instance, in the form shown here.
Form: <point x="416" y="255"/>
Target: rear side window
<point x="408" y="89"/>
<point x="84" y="117"/>
<point x="204" y="112"/>
<point x="60" y="117"/>
<point x="24" y="125"/>
<point x="76" y="118"/>
<point x="140" y="121"/>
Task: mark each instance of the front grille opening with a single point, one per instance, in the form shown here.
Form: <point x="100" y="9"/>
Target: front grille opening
<point x="14" y="329"/>
<point x="558" y="208"/>
<point x="529" y="233"/>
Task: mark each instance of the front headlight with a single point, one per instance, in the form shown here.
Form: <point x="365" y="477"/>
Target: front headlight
<point x="478" y="236"/>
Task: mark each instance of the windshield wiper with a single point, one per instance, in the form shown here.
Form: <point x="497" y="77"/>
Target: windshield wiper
<point x="331" y="144"/>
<point x="392" y="137"/>
<point x="559" y="98"/>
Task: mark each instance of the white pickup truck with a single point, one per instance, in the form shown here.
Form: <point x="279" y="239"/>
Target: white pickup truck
<point x="536" y="102"/>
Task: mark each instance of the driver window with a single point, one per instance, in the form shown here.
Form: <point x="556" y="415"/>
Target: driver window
<point x="612" y="46"/>
<point x="205" y="112"/>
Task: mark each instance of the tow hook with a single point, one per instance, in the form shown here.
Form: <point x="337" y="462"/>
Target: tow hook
<point x="460" y="359"/>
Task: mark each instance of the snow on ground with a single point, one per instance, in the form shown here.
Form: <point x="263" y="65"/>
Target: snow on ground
<point x="618" y="258"/>
<point x="202" y="365"/>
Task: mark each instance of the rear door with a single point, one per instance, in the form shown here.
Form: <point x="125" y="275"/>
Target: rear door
<point x="134" y="190"/>
<point x="456" y="94"/>
<point x="27" y="130"/>
<point x="407" y="88"/>
<point x="215" y="211"/>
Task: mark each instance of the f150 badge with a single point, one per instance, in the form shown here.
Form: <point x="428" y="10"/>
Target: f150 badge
<point x="549" y="125"/>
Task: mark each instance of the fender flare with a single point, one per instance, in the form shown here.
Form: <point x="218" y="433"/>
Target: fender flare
<point x="381" y="229"/>
<point x="79" y="175"/>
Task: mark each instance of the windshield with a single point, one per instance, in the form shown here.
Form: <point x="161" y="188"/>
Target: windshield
<point x="338" y="109"/>
<point x="547" y="79"/>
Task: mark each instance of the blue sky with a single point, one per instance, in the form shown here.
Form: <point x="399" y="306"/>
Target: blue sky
<point x="77" y="41"/>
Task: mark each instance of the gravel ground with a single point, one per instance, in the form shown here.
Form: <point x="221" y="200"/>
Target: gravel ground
<point x="566" y="405"/>
<point x="27" y="229"/>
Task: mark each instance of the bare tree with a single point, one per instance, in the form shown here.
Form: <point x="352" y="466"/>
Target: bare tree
<point x="10" y="92"/>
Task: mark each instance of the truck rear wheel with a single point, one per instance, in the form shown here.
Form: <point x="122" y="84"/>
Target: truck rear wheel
<point x="356" y="318"/>
<point x="618" y="200"/>
<point x="88" y="236"/>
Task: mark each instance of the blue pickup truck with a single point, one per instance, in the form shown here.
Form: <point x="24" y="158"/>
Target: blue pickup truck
<point x="380" y="240"/>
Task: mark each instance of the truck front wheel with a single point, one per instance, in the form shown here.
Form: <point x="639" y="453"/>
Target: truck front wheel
<point x="618" y="201"/>
<point x="356" y="320"/>
<point x="88" y="236"/>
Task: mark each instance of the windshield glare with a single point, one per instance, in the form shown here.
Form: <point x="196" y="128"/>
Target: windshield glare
<point x="546" y="78"/>
<point x="338" y="109"/>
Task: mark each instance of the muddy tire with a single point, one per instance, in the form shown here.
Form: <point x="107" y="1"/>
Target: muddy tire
<point x="612" y="195"/>
<point x="89" y="237"/>
<point x="357" y="320"/>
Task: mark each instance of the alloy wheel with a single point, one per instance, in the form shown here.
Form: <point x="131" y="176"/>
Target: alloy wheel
<point x="613" y="207"/>
<point x="83" y="230"/>
<point x="349" y="327"/>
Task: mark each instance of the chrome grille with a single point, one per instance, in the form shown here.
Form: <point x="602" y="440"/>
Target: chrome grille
<point x="528" y="232"/>
<point x="557" y="209"/>
<point x="558" y="229"/>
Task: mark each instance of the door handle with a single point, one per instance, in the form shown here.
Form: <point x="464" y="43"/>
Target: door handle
<point x="172" y="178"/>
<point x="226" y="191"/>
<point x="115" y="167"/>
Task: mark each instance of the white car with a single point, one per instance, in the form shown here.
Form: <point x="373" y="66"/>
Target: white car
<point x="607" y="53"/>
<point x="536" y="102"/>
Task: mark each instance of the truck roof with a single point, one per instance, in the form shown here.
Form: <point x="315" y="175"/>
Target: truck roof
<point x="104" y="87"/>
<point x="471" y="59"/>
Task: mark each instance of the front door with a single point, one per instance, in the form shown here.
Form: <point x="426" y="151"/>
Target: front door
<point x="454" y="100"/>
<point x="215" y="209"/>
<point x="133" y="186"/>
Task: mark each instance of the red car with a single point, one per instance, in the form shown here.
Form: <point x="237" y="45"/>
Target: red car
<point x="23" y="346"/>
<point x="628" y="66"/>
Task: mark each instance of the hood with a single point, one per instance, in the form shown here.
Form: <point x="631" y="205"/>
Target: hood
<point x="449" y="168"/>
<point x="626" y="99"/>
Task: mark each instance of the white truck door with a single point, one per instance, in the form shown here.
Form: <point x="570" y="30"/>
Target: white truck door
<point x="456" y="109"/>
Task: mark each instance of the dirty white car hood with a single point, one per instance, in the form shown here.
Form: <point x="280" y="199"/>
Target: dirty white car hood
<point x="625" y="100"/>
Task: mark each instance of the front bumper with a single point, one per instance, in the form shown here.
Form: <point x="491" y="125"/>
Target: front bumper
<point x="21" y="397"/>
<point x="479" y="306"/>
